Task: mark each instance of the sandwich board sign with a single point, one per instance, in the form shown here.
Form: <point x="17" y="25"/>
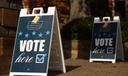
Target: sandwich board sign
<point x="38" y="45"/>
<point x="106" y="42"/>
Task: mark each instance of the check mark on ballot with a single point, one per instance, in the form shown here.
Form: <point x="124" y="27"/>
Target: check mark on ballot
<point x="40" y="58"/>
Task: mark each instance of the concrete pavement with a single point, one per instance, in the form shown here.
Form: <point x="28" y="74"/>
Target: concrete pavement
<point x="82" y="67"/>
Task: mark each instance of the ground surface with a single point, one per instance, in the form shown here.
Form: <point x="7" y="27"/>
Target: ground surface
<point x="81" y="67"/>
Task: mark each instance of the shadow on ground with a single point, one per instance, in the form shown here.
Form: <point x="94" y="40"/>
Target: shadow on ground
<point x="68" y="69"/>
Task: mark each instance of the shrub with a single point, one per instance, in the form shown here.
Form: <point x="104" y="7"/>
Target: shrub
<point x="78" y="29"/>
<point x="124" y="28"/>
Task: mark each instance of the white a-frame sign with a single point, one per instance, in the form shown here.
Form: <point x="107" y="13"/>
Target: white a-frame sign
<point x="38" y="44"/>
<point x="106" y="40"/>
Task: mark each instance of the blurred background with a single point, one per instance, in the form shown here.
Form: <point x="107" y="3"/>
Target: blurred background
<point x="75" y="19"/>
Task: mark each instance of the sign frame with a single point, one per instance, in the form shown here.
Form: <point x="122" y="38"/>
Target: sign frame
<point x="118" y="44"/>
<point x="55" y="25"/>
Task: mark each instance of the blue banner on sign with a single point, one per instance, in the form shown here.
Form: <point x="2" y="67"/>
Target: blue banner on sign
<point x="32" y="45"/>
<point x="104" y="40"/>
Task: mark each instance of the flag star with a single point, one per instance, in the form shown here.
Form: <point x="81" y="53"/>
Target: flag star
<point x="40" y="34"/>
<point x="109" y="35"/>
<point x="33" y="33"/>
<point x="99" y="35"/>
<point x="26" y="35"/>
<point x="104" y="34"/>
<point x="95" y="34"/>
<point x="47" y="32"/>
<point x="20" y="33"/>
<point x="114" y="34"/>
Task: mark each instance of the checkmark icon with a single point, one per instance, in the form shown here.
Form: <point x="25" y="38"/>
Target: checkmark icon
<point x="110" y="50"/>
<point x="40" y="58"/>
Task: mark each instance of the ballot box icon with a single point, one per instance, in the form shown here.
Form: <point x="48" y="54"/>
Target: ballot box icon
<point x="110" y="50"/>
<point x="33" y="26"/>
<point x="40" y="58"/>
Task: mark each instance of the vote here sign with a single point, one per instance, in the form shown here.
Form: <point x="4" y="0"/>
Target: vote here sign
<point x="104" y="40"/>
<point x="32" y="44"/>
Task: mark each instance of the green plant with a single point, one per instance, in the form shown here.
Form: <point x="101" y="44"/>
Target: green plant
<point x="78" y="29"/>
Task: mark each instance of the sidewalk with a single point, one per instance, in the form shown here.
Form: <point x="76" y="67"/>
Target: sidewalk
<point x="81" y="67"/>
<point x="84" y="68"/>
